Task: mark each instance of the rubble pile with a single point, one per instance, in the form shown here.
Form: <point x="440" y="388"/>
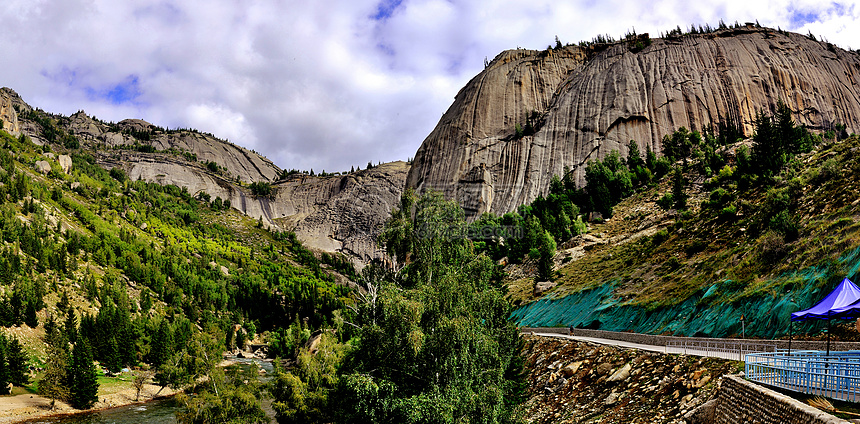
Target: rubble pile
<point x="580" y="382"/>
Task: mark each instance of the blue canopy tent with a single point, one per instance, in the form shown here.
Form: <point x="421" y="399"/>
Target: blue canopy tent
<point x="842" y="303"/>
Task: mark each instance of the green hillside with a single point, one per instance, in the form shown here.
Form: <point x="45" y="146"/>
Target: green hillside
<point x="750" y="242"/>
<point x="139" y="270"/>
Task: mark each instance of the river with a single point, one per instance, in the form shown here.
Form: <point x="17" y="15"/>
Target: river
<point x="162" y="411"/>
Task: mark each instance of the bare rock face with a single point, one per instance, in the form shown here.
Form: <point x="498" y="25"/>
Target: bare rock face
<point x="43" y="167"/>
<point x="588" y="102"/>
<point x="65" y="163"/>
<point x="342" y="213"/>
<point x="236" y="161"/>
<point x="335" y="214"/>
<point x="8" y="118"/>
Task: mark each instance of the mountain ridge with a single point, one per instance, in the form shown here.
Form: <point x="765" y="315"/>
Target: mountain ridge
<point x="316" y="208"/>
<point x="612" y="93"/>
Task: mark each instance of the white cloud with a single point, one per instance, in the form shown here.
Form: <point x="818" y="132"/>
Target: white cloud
<point x="319" y="85"/>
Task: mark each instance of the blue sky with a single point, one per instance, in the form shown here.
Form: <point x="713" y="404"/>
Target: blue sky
<point x="322" y="85"/>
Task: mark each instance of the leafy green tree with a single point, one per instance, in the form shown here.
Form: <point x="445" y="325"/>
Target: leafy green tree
<point x="547" y="251"/>
<point x="434" y="345"/>
<point x="82" y="373"/>
<point x="607" y="182"/>
<point x="233" y="399"/>
<point x="302" y="394"/>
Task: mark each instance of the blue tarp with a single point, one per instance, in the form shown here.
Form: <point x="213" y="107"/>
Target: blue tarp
<point x="842" y="302"/>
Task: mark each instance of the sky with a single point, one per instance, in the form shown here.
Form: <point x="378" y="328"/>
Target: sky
<point x="323" y="85"/>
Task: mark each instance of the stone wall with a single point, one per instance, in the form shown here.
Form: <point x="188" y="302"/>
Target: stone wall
<point x="741" y="402"/>
<point x="655" y="340"/>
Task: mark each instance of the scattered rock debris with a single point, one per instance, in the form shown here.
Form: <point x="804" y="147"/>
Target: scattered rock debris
<point x="580" y="382"/>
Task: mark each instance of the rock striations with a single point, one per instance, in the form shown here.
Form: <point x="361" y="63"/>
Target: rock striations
<point x="582" y="103"/>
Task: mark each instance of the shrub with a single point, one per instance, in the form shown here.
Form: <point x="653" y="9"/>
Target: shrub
<point x="118" y="174"/>
<point x="785" y="223"/>
<point x="772" y="247"/>
<point x="729" y="212"/>
<point x="666" y="201"/>
<point x="261" y="189"/>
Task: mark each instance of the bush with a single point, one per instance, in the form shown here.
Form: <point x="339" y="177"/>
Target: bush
<point x="666" y="201"/>
<point x="261" y="189"/>
<point x="785" y="223"/>
<point x="772" y="247"/>
<point x="118" y="174"/>
<point x="729" y="212"/>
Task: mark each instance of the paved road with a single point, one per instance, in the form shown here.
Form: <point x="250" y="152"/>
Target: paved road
<point x="735" y="356"/>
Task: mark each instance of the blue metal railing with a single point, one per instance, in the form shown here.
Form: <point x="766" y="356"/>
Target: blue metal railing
<point x="836" y="376"/>
<point x="733" y="349"/>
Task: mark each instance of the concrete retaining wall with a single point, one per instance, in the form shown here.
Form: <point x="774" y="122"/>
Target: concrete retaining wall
<point x="741" y="402"/>
<point x="655" y="340"/>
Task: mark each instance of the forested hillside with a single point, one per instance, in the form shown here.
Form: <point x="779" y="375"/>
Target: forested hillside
<point x="129" y="273"/>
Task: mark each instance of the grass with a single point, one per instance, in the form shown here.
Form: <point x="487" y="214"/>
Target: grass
<point x="694" y="252"/>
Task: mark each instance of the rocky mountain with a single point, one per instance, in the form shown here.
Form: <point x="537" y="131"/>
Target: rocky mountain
<point x="530" y="114"/>
<point x="337" y="213"/>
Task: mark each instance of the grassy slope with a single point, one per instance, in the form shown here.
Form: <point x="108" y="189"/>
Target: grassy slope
<point x="701" y="261"/>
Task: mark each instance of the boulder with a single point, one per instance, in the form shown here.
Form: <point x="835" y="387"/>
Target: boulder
<point x="65" y="163"/>
<point x="543" y="286"/>
<point x="43" y="167"/>
<point x="621" y="374"/>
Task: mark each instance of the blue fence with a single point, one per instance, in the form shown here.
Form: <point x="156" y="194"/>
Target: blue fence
<point x="836" y="376"/>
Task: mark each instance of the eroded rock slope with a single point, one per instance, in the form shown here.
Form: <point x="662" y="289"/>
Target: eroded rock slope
<point x="340" y="213"/>
<point x="588" y="102"/>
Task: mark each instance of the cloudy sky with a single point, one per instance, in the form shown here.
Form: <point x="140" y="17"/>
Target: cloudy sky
<point x="320" y="84"/>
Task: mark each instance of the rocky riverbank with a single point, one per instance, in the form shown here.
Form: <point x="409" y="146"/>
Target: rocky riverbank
<point x="23" y="407"/>
<point x="575" y="382"/>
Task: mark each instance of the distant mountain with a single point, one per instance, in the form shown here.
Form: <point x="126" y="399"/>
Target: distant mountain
<point x="334" y="213"/>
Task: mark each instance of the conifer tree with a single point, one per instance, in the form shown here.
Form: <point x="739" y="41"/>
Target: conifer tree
<point x="162" y="344"/>
<point x="112" y="356"/>
<point x="83" y="377"/>
<point x="30" y="317"/>
<point x="4" y="372"/>
<point x="71" y="325"/>
<point x="16" y="360"/>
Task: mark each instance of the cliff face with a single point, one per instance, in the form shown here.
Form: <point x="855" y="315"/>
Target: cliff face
<point x="341" y="213"/>
<point x="337" y="214"/>
<point x="589" y="102"/>
<point x="8" y="117"/>
<point x="237" y="162"/>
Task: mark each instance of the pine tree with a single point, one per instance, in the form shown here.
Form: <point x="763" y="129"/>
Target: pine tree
<point x="84" y="384"/>
<point x="162" y="344"/>
<point x="71" y="325"/>
<point x="30" y="317"/>
<point x="112" y="356"/>
<point x="16" y="359"/>
<point x="546" y="247"/>
<point x="678" y="193"/>
<point x="4" y="372"/>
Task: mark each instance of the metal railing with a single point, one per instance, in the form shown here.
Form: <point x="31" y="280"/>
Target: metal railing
<point x="733" y="349"/>
<point x="836" y="376"/>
